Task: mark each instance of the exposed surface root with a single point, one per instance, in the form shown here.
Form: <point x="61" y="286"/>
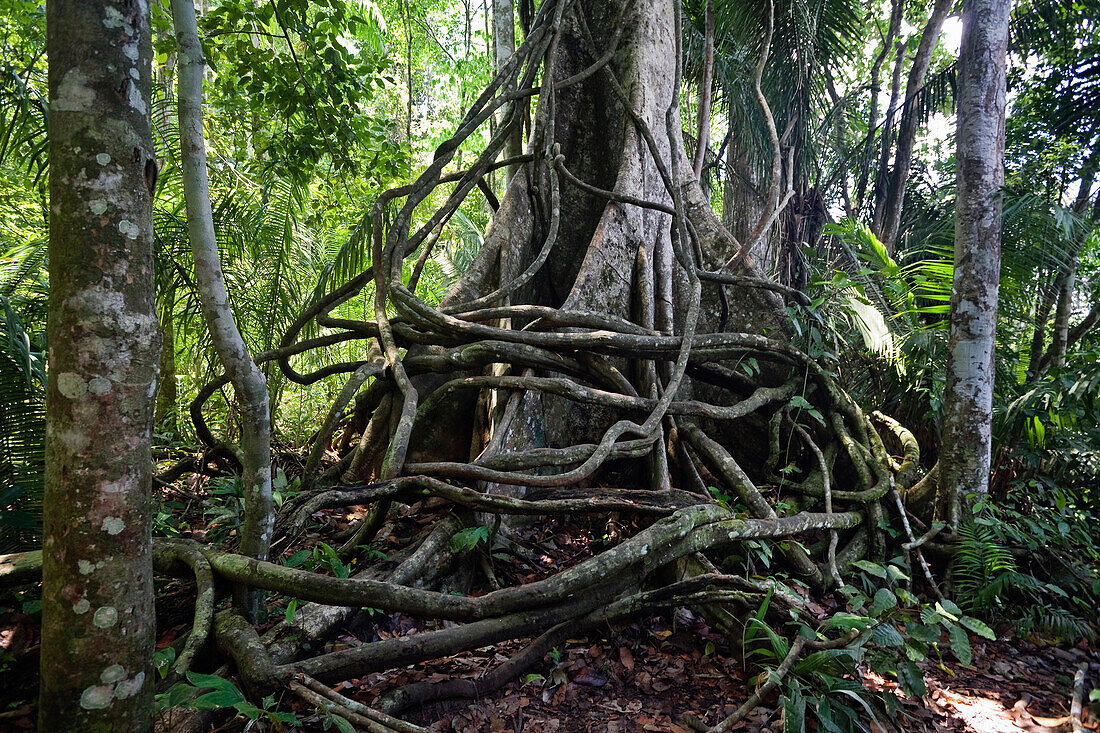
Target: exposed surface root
<point x="598" y="340"/>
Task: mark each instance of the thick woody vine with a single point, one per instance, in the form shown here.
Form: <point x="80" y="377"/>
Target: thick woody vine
<point x="484" y="342"/>
<point x="669" y="381"/>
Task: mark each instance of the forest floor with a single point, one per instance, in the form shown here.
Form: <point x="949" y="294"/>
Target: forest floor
<point x="639" y="676"/>
<point x="646" y="675"/>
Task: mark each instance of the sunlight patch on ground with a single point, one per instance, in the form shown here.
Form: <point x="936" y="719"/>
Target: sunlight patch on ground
<point x="980" y="714"/>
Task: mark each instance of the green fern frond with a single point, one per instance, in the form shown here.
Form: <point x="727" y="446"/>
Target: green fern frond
<point x="1057" y="622"/>
<point x="981" y="563"/>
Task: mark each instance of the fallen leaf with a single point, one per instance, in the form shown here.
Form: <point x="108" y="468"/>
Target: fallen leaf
<point x="590" y="677"/>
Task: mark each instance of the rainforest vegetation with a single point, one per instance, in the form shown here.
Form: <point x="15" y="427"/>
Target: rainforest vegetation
<point x="395" y="365"/>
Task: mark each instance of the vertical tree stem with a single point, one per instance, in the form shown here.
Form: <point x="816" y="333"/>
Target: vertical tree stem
<point x="968" y="397"/>
<point x="97" y="595"/>
<point x="247" y="380"/>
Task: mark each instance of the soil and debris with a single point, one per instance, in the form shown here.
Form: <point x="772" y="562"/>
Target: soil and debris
<point x="641" y="676"/>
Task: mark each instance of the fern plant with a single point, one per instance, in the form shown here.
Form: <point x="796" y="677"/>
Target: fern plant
<point x="22" y="461"/>
<point x="988" y="581"/>
<point x="984" y="570"/>
<point x="823" y="686"/>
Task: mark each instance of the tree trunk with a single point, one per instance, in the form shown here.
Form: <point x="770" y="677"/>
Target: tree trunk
<point x="601" y="265"/>
<point x="593" y="267"/>
<point x="97" y="596"/>
<point x="907" y="134"/>
<point x="1067" y="283"/>
<point x="248" y="382"/>
<point x="1067" y="278"/>
<point x="1046" y="297"/>
<point x="167" y="405"/>
<point x="702" y="136"/>
<point x="896" y="12"/>
<point x="886" y="143"/>
<point x="504" y="45"/>
<point x="742" y="202"/>
<point x="968" y="397"/>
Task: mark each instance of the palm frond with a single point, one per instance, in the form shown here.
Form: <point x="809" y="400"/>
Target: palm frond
<point x="22" y="455"/>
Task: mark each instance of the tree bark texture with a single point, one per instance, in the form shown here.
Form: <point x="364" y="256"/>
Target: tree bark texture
<point x="504" y="45"/>
<point x="896" y="12"/>
<point x="594" y="266"/>
<point x="97" y="599"/>
<point x="167" y="404"/>
<point x="706" y="84"/>
<point x="886" y="142"/>
<point x="907" y="133"/>
<point x="619" y="309"/>
<point x="248" y="381"/>
<point x="968" y="398"/>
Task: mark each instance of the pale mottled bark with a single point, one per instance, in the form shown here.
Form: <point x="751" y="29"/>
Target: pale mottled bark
<point x="97" y="598"/>
<point x="907" y="134"/>
<point x="248" y="382"/>
<point x="968" y="399"/>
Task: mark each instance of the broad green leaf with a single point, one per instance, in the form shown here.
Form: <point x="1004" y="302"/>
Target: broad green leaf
<point x="884" y="601"/>
<point x="176" y="695"/>
<point x="916" y="652"/>
<point x="871" y="568"/>
<point x="799" y="401"/>
<point x="929" y="616"/>
<point x="978" y="627"/>
<point x="249" y="710"/>
<point x="298" y="558"/>
<point x="217" y="700"/>
<point x="846" y="620"/>
<point x="887" y="635"/>
<point x="960" y="644"/>
<point x="920" y="632"/>
<point x="944" y="612"/>
<point x="212" y="681"/>
<point x="911" y="679"/>
<point x="896" y="573"/>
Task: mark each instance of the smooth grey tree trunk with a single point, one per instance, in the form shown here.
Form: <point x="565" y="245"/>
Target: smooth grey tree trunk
<point x="980" y="141"/>
<point x="1067" y="278"/>
<point x="504" y="45"/>
<point x="97" y="596"/>
<point x="247" y="380"/>
<point x="886" y="143"/>
<point x="907" y="133"/>
<point x="896" y="12"/>
<point x="167" y="403"/>
<point x="742" y="202"/>
<point x="706" y="84"/>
